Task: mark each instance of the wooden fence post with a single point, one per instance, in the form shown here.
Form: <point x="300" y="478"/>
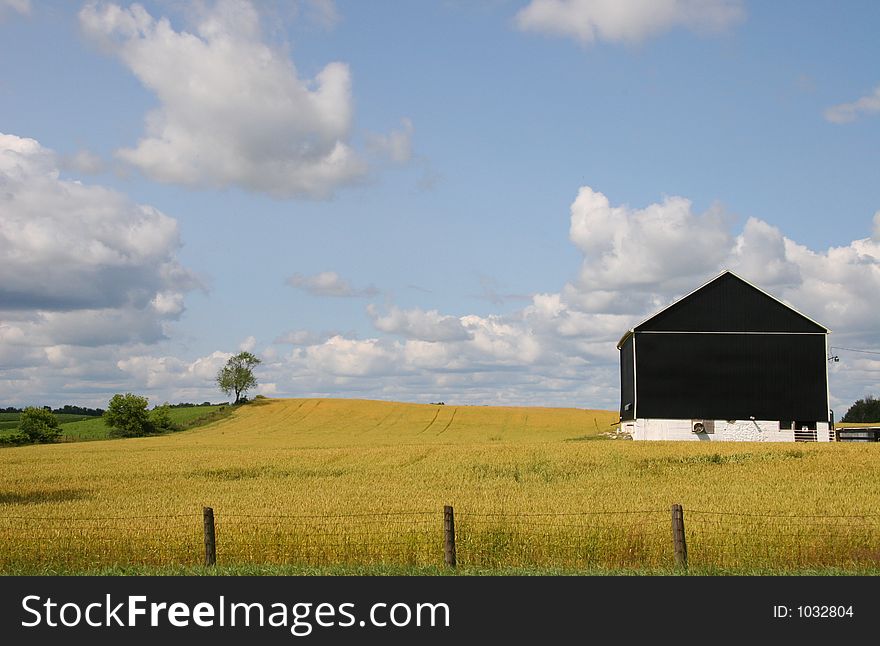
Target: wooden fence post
<point x="210" y="537"/>
<point x="678" y="541"/>
<point x="449" y="535"/>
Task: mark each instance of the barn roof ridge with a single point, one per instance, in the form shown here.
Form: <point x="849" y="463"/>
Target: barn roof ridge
<point x="724" y="272"/>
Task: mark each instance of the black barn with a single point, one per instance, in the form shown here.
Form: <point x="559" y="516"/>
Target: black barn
<point x="727" y="351"/>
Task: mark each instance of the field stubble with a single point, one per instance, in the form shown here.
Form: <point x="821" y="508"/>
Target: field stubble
<point x="331" y="482"/>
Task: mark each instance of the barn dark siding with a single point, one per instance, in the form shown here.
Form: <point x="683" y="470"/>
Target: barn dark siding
<point x="627" y="381"/>
<point x="731" y="376"/>
<point x="729" y="304"/>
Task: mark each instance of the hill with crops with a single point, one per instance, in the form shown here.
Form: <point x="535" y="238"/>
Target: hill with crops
<point x="336" y="482"/>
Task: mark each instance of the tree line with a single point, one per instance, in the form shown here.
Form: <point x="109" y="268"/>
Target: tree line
<point x="864" y="410"/>
<point x="67" y="409"/>
<point x="84" y="411"/>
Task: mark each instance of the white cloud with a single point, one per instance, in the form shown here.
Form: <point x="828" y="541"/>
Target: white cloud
<point x="329" y="283"/>
<point x="235" y="111"/>
<point x="70" y="247"/>
<point x="647" y="256"/>
<point x="339" y="356"/>
<point x="248" y="344"/>
<point x="85" y="276"/>
<point x="838" y="288"/>
<point x="559" y="349"/>
<point x="847" y="112"/>
<point x="419" y="324"/>
<point x="167" y="373"/>
<point x="323" y="12"/>
<point x="84" y="161"/>
<point x="22" y="7"/>
<point x="626" y="20"/>
<point x="303" y="337"/>
<point x="629" y="252"/>
<point x="760" y="250"/>
<point x="396" y="145"/>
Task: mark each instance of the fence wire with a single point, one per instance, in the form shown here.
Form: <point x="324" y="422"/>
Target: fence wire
<point x="384" y="538"/>
<point x="82" y="543"/>
<point x="603" y="540"/>
<point x="607" y="540"/>
<point x="781" y="542"/>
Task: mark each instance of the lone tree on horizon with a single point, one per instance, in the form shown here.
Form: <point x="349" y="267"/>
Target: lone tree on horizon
<point x="237" y="376"/>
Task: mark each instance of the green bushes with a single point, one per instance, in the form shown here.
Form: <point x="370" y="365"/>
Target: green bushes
<point x="35" y="426"/>
<point x="160" y="418"/>
<point x="127" y="416"/>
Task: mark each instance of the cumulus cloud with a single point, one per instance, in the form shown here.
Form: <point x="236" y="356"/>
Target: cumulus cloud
<point x="329" y="283"/>
<point x="323" y="12"/>
<point x="838" y="286"/>
<point x="86" y="275"/>
<point x="665" y="249"/>
<point x="629" y="252"/>
<point x="67" y="247"/>
<point x="169" y="372"/>
<point x="84" y="162"/>
<point x="303" y="337"/>
<point x="558" y="349"/>
<point x="847" y="112"/>
<point x="22" y="7"/>
<point x="235" y="111"/>
<point x="626" y="20"/>
<point x="760" y="251"/>
<point x="342" y="357"/>
<point x="396" y="145"/>
<point x="419" y="324"/>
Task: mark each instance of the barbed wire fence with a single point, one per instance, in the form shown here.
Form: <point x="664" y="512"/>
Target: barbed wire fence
<point x="383" y="538"/>
<point x="650" y="539"/>
<point x="765" y="540"/>
<point x="72" y="542"/>
<point x="589" y="540"/>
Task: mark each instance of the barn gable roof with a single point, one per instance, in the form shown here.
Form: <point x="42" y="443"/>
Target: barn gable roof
<point x="727" y="303"/>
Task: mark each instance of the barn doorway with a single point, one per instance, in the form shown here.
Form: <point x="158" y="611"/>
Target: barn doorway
<point x="804" y="431"/>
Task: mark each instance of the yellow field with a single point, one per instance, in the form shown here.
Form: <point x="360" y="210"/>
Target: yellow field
<point x="328" y="481"/>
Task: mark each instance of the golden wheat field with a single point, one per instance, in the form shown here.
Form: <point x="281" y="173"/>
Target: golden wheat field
<point x="334" y="481"/>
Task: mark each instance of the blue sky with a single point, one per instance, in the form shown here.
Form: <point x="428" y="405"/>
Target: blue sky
<point x="460" y="201"/>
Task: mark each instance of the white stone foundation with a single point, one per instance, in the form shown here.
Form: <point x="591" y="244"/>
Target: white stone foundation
<point x="722" y="430"/>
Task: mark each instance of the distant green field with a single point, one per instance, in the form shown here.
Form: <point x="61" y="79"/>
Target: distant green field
<point x="63" y="418"/>
<point x="9" y="421"/>
<point x="79" y="428"/>
<point x="89" y="429"/>
<point x="94" y="428"/>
